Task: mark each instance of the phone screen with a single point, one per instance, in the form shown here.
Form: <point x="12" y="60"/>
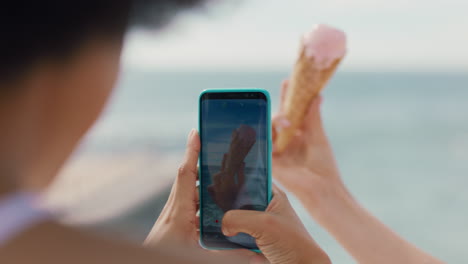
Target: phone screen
<point x="233" y="162"/>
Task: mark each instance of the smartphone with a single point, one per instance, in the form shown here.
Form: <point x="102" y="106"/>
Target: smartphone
<point x="235" y="160"/>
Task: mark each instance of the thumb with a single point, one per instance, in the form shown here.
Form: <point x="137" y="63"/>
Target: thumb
<point x="250" y="222"/>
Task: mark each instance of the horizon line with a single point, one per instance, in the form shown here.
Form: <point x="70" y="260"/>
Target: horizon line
<point x="457" y="71"/>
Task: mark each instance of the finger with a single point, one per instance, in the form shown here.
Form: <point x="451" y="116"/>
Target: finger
<point x="186" y="179"/>
<point x="192" y="151"/>
<point x="277" y="191"/>
<point x="250" y="222"/>
<point x="274" y="132"/>
<point x="196" y="197"/>
<point x="313" y="125"/>
<point x="277" y="117"/>
<point x="279" y="122"/>
<point x="197" y="222"/>
<point x="284" y="89"/>
<point x="170" y="199"/>
<point x="279" y="203"/>
<point x="236" y="221"/>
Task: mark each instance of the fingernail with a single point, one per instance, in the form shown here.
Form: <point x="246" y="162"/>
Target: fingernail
<point x="225" y="231"/>
<point x="191" y="135"/>
<point x="284" y="122"/>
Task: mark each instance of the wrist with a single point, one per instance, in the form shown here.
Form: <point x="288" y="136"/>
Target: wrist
<point x="325" y="198"/>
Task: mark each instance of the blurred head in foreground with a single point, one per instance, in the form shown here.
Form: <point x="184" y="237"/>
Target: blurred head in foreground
<point x="59" y="61"/>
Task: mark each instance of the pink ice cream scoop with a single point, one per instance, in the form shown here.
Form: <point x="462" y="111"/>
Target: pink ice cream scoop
<point x="325" y="44"/>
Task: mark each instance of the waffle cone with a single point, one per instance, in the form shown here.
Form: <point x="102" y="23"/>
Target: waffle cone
<point x="306" y="82"/>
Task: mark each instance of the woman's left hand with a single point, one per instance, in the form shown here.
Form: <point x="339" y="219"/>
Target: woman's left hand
<point x="178" y="223"/>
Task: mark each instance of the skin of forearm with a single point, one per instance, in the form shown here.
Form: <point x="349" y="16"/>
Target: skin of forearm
<point x="367" y="239"/>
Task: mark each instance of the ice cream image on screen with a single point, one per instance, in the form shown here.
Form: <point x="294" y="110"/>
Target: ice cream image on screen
<point x="230" y="186"/>
<point x="228" y="182"/>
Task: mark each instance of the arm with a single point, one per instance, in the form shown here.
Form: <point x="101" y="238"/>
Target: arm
<point x="308" y="169"/>
<point x="366" y="238"/>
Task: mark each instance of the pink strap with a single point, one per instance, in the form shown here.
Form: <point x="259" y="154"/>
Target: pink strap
<point x="18" y="212"/>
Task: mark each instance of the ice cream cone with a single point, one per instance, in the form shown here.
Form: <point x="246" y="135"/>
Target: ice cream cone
<point x="310" y="75"/>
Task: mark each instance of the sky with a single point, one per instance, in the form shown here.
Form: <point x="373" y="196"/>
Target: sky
<point x="383" y="35"/>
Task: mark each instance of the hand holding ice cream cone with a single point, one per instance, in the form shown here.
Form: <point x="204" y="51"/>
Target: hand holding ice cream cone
<point x="322" y="50"/>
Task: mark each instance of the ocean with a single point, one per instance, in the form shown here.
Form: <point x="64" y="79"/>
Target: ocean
<point x="401" y="141"/>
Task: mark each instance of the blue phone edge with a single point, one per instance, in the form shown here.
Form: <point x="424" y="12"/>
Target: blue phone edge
<point x="269" y="186"/>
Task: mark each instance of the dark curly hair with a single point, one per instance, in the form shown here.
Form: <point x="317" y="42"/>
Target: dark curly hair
<point x="53" y="28"/>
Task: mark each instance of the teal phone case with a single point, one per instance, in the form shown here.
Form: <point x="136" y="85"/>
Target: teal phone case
<point x="269" y="192"/>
